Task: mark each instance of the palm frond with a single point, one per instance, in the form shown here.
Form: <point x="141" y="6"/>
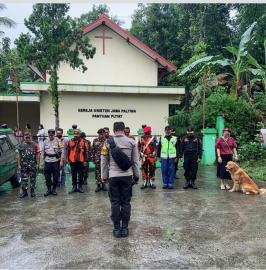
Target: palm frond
<point x="7" y="22"/>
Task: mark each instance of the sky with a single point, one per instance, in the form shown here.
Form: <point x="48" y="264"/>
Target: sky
<point x="18" y="11"/>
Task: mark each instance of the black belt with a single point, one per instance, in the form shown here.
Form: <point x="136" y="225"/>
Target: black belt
<point x="50" y="155"/>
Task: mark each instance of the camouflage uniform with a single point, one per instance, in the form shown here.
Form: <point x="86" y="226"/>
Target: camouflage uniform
<point x="96" y="153"/>
<point x="28" y="152"/>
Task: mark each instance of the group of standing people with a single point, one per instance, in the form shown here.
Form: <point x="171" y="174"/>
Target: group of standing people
<point x="116" y="161"/>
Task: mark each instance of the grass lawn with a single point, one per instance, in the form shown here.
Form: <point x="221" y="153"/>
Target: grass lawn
<point x="256" y="169"/>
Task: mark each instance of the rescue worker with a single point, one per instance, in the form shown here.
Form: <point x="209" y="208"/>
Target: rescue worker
<point x="64" y="142"/>
<point x="86" y="167"/>
<point x="140" y="138"/>
<point x="28" y="162"/>
<point x="148" y="158"/>
<point x="120" y="181"/>
<point x="78" y="159"/>
<point x="191" y="149"/>
<point x="96" y="154"/>
<point x="127" y="133"/>
<point x="53" y="155"/>
<point x="167" y="153"/>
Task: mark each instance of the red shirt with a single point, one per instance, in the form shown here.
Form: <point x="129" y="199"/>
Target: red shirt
<point x="226" y="146"/>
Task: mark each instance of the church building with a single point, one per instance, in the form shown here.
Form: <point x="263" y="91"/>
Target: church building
<point x="120" y="84"/>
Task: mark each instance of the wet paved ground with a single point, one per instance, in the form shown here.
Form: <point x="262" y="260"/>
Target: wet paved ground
<point x="207" y="228"/>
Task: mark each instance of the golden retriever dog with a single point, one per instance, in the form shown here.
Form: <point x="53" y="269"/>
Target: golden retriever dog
<point x="242" y="180"/>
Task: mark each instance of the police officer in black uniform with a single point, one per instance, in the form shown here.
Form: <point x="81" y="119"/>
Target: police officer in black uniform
<point x="191" y="149"/>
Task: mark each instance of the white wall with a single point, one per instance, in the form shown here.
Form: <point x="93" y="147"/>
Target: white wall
<point x="122" y="64"/>
<point x="150" y="109"/>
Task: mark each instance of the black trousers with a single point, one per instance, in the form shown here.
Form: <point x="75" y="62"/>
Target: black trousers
<point x="120" y="193"/>
<point x="77" y="172"/>
<point x="176" y="165"/>
<point x="51" y="169"/>
<point x="191" y="167"/>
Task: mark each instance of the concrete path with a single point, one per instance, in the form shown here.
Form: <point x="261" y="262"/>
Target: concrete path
<point x="207" y="228"/>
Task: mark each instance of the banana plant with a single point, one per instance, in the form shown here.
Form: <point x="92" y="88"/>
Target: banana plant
<point x="238" y="63"/>
<point x="258" y="70"/>
<point x="206" y="64"/>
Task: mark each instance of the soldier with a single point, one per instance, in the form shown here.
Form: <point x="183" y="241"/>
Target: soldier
<point x="78" y="159"/>
<point x="53" y="155"/>
<point x="28" y="162"/>
<point x="167" y="153"/>
<point x="107" y="133"/>
<point x="86" y="167"/>
<point x="96" y="154"/>
<point x="191" y="148"/>
<point x="120" y="180"/>
<point x="64" y="142"/>
<point x="127" y="133"/>
<point x="148" y="158"/>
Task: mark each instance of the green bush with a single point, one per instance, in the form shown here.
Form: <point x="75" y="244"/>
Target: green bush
<point x="180" y="120"/>
<point x="239" y="115"/>
<point x="252" y="151"/>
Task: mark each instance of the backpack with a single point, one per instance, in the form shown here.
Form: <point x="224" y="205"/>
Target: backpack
<point x="120" y="158"/>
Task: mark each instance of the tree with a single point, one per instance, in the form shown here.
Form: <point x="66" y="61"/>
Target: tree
<point x="173" y="30"/>
<point x="5" y="21"/>
<point x="11" y="67"/>
<point x="56" y="38"/>
<point x="246" y="15"/>
<point x="238" y="64"/>
<point x="258" y="70"/>
<point x="92" y="15"/>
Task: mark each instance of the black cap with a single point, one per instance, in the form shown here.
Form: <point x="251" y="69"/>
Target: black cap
<point x="173" y="128"/>
<point x="100" y="131"/>
<point x="74" y="126"/>
<point x="82" y="135"/>
<point x="190" y="129"/>
<point x="51" y="132"/>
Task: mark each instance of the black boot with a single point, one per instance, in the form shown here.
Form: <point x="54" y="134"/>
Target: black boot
<point x="152" y="185"/>
<point x="74" y="189"/>
<point x="124" y="229"/>
<point x="48" y="192"/>
<point x="23" y="194"/>
<point x="117" y="230"/>
<point x="104" y="188"/>
<point x="98" y="188"/>
<point x="80" y="189"/>
<point x="32" y="193"/>
<point x="187" y="184"/>
<point x="54" y="191"/>
<point x="193" y="185"/>
<point x="144" y="184"/>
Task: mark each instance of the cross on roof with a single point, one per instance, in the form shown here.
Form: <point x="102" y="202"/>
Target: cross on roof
<point x="104" y="37"/>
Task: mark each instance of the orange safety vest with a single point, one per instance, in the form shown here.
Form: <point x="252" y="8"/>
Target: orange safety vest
<point x="78" y="150"/>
